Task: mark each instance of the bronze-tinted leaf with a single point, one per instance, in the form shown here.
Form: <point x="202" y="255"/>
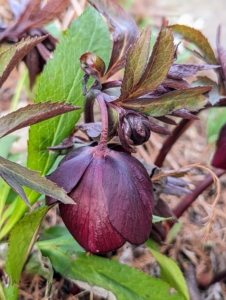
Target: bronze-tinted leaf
<point x="190" y="99"/>
<point x="10" y="58"/>
<point x="47" y="13"/>
<point x="221" y="53"/>
<point x="197" y="38"/>
<point x="17" y="176"/>
<point x="125" y="32"/>
<point x="32" y="114"/>
<point x="158" y="64"/>
<point x="34" y="16"/>
<point x="136" y="62"/>
<point x="179" y="71"/>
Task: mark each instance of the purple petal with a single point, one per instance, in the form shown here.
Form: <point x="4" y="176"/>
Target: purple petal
<point x="71" y="168"/>
<point x="129" y="196"/>
<point x="88" y="221"/>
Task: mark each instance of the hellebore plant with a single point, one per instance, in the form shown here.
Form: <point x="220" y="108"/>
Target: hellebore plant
<point x="112" y="190"/>
<point x="108" y="197"/>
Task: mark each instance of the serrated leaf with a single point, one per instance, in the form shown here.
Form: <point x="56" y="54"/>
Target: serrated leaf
<point x="34" y="16"/>
<point x="197" y="38"/>
<point x="32" y="114"/>
<point x="21" y="241"/>
<point x="122" y="281"/>
<point x="17" y="176"/>
<point x="10" y="58"/>
<point x="214" y="95"/>
<point x="47" y="13"/>
<point x="179" y="71"/>
<point x="171" y="273"/>
<point x="125" y="32"/>
<point x="136" y="62"/>
<point x="190" y="99"/>
<point x="62" y="79"/>
<point x="158" y="65"/>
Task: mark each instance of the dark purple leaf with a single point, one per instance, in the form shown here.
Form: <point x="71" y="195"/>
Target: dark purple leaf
<point x="32" y="114"/>
<point x="125" y="32"/>
<point x="179" y="71"/>
<point x="34" y="17"/>
<point x="219" y="159"/>
<point x="11" y="57"/>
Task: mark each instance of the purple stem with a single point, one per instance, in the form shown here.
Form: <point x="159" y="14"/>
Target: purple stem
<point x="169" y="142"/>
<point x="187" y="201"/>
<point x="104" y="117"/>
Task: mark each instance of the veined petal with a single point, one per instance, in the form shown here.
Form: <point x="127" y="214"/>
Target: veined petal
<point x="129" y="195"/>
<point x="88" y="221"/>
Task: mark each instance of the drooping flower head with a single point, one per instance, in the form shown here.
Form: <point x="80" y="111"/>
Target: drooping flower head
<point x="113" y="196"/>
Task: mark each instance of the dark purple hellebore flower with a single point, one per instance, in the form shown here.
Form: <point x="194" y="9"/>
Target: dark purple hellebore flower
<point x="113" y="195"/>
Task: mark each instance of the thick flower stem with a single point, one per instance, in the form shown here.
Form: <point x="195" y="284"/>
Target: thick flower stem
<point x="104" y="116"/>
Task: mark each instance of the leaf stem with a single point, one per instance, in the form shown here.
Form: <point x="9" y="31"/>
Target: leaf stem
<point x="169" y="142"/>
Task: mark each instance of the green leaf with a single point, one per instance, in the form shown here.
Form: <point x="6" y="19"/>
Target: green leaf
<point x="17" y="176"/>
<point x="32" y="114"/>
<point x="156" y="219"/>
<point x="136" y="61"/>
<point x="197" y="38"/>
<point x="190" y="99"/>
<point x="62" y="80"/>
<point x="10" y="57"/>
<point x="21" y="240"/>
<point x="158" y="64"/>
<point x="171" y="273"/>
<point x="215" y="121"/>
<point x="123" y="281"/>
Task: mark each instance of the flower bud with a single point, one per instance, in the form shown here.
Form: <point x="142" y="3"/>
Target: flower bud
<point x="134" y="129"/>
